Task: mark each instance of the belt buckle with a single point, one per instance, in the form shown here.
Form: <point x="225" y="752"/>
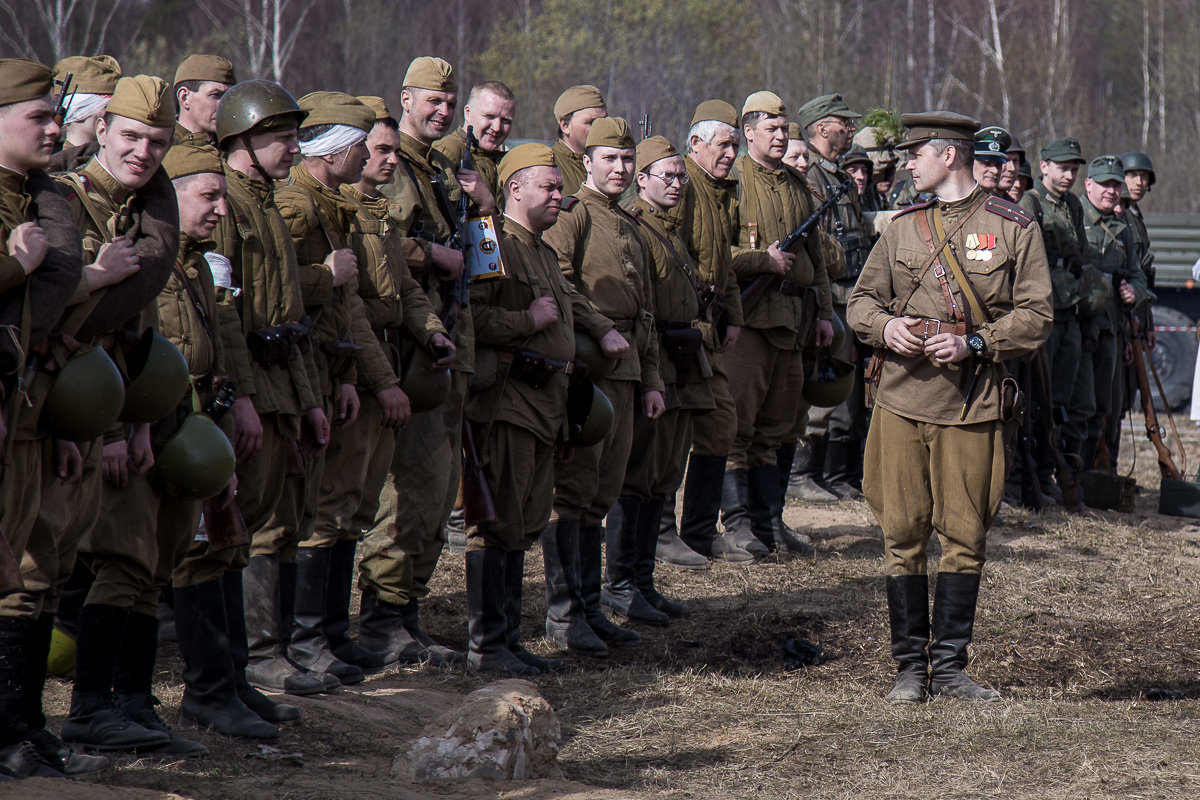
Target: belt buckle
<point x="936" y="327"/>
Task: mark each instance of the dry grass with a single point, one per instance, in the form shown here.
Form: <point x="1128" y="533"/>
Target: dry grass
<point x="1081" y="619"/>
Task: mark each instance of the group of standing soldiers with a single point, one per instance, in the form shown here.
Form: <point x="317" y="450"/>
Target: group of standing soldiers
<point x="294" y="271"/>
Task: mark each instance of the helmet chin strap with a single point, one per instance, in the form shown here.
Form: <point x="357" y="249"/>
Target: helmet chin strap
<point x="262" y="173"/>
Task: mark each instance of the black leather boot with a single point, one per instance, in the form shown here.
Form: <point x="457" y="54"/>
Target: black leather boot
<point x="487" y="625"/>
<point x="19" y="756"/>
<point x="337" y="612"/>
<point x="954" y="600"/>
<point x="735" y="514"/>
<point x="566" y="619"/>
<point x="269" y="667"/>
<point x="95" y="720"/>
<point x="210" y="697"/>
<point x="785" y="456"/>
<point x="643" y="568"/>
<point x="841" y="458"/>
<point x="235" y="623"/>
<point x="804" y="480"/>
<point x="702" y="496"/>
<point x="670" y="549"/>
<point x="908" y="613"/>
<point x="766" y="514"/>
<point x="308" y="647"/>
<point x="133" y="680"/>
<point x="620" y="593"/>
<point x="514" y="583"/>
<point x="591" y="560"/>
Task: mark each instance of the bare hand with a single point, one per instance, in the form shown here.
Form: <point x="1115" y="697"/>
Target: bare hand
<point x="438" y="343"/>
<point x="343" y="264"/>
<point x="141" y="455"/>
<point x="68" y="461"/>
<point x="613" y="344"/>
<point x="115" y="262"/>
<point x="474" y="187"/>
<point x="447" y="260"/>
<point x="28" y="245"/>
<point x="544" y="311"/>
<point x="396" y="408"/>
<point x="824" y="333"/>
<point x="314" y="437"/>
<point x="653" y="404"/>
<point x="780" y="260"/>
<point x="900" y="336"/>
<point x="947" y="348"/>
<point x="1128" y="296"/>
<point x="114" y="464"/>
<point x="247" y="429"/>
<point x="348" y="405"/>
<point x="731" y="337"/>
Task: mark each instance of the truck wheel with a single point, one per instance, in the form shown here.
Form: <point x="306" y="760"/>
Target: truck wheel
<point x="1174" y="357"/>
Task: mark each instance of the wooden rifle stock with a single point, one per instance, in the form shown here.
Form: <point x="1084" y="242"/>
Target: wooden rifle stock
<point x="224" y="526"/>
<point x="1153" y="431"/>
<point x="479" y="505"/>
<point x="457" y="293"/>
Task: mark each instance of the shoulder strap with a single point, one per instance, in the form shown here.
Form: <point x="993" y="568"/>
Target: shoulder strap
<point x="978" y="307"/>
<point x="636" y="215"/>
<point x="933" y="255"/>
<point x="952" y="309"/>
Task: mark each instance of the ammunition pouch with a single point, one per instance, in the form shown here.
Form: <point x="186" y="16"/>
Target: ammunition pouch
<point x="856" y="249"/>
<point x="279" y="344"/>
<point x="1012" y="402"/>
<point x="339" y="356"/>
<point x="535" y="369"/>
<point x="681" y="343"/>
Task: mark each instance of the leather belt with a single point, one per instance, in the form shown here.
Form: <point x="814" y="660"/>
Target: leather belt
<point x="663" y="325"/>
<point x="624" y="325"/>
<point x="791" y="289"/>
<point x="551" y="364"/>
<point x="932" y="327"/>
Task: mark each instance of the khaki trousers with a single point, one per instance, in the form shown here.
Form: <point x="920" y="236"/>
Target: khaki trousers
<point x="520" y="471"/>
<point x="766" y="381"/>
<point x="657" y="461"/>
<point x="713" y="433"/>
<point x="347" y="464"/>
<point x="586" y="487"/>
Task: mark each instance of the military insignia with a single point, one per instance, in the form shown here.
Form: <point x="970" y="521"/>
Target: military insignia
<point x="980" y="246"/>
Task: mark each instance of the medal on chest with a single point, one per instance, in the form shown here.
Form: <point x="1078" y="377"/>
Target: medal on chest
<point x="980" y="246"/>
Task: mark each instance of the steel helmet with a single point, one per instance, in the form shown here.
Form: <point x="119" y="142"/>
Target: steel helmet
<point x="427" y="386"/>
<point x="1136" y="159"/>
<point x="158" y="378"/>
<point x="829" y="383"/>
<point x="249" y="104"/>
<point x="589" y="415"/>
<point x="197" y="462"/>
<point x="587" y="350"/>
<point x="86" y="398"/>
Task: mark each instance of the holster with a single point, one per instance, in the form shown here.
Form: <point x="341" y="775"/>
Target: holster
<point x="1012" y="401"/>
<point x="681" y="343"/>
<point x="339" y="356"/>
<point x="535" y="369"/>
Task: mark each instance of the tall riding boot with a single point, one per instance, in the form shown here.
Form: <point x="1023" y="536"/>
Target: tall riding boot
<point x="133" y="679"/>
<point x="19" y="758"/>
<point x="735" y="516"/>
<point x="766" y="513"/>
<point x="954" y="601"/>
<point x="166" y="615"/>
<point x="804" y="481"/>
<point x="841" y="458"/>
<point x="487" y="625"/>
<point x="52" y="751"/>
<point x="289" y="574"/>
<point x="514" y="583"/>
<point x="1087" y="453"/>
<point x="620" y="593"/>
<point x="309" y="648"/>
<point x="702" y="511"/>
<point x="210" y="698"/>
<point x="669" y="548"/>
<point x="95" y="721"/>
<point x="591" y="546"/>
<point x="239" y="651"/>
<point x="269" y="667"/>
<point x="908" y="613"/>
<point x="431" y="651"/>
<point x="643" y="566"/>
<point x="337" y="612"/>
<point x="785" y="455"/>
<point x="566" y="619"/>
<point x="381" y="627"/>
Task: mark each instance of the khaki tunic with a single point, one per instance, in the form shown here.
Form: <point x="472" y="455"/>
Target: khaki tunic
<point x="485" y="162"/>
<point x="844" y="222"/>
<point x="184" y="136"/>
<point x="570" y="164"/>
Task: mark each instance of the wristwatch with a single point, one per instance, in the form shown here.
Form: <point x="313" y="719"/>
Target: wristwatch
<point x="976" y="344"/>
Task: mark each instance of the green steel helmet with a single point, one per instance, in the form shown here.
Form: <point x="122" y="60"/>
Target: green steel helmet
<point x="1136" y="159"/>
<point x="427" y="386"/>
<point x="829" y="383"/>
<point x="158" y="379"/>
<point x="86" y="398"/>
<point x="197" y="462"/>
<point x="589" y="415"/>
<point x="256" y="104"/>
<point x="587" y="350"/>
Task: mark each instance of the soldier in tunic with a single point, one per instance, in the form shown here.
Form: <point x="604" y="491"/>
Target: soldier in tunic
<point x="574" y="112"/>
<point x="92" y="83"/>
<point x="200" y="82"/>
<point x="489" y="113"/>
<point x="991" y="146"/>
<point x="935" y="455"/>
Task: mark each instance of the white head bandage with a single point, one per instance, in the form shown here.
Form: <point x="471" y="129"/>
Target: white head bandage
<point x="334" y="140"/>
<point x="81" y="105"/>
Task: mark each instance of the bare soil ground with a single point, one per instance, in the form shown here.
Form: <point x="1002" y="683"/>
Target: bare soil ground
<point x="1087" y="624"/>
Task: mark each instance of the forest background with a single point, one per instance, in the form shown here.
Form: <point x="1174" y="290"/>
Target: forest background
<point x="1116" y="75"/>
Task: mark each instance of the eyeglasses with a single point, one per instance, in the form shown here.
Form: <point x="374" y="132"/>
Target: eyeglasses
<point x="669" y="178"/>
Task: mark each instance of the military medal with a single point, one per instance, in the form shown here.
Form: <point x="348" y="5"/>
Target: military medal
<point x="980" y="246"/>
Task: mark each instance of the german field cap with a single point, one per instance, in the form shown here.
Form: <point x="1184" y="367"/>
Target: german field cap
<point x="428" y="72"/>
<point x="577" y="98"/>
<point x="857" y="155"/>
<point x="1106" y="168"/>
<point x="765" y="103"/>
<point x="93" y="75"/>
<point x="376" y="104"/>
<point x="717" y="110"/>
<point x="795" y="131"/>
<point x="335" y="108"/>
<point x="610" y="132"/>
<point x="524" y="156"/>
<point x="827" y="105"/>
<point x="190" y="159"/>
<point x="144" y="98"/>
<point x="654" y="148"/>
<point x="1064" y="150"/>
<point x="23" y="79"/>
<point x="991" y="143"/>
<point x="201" y="67"/>
<point x="1025" y="171"/>
<point x="1015" y="146"/>
<point x="928" y="125"/>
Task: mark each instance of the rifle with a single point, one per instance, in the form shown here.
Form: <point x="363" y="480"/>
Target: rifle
<point x="457" y="293"/>
<point x="60" y="107"/>
<point x="1031" y="488"/>
<point x="478" y="502"/>
<point x="753" y="294"/>
<point x="1153" y="430"/>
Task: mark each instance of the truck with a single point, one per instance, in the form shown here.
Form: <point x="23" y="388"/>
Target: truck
<point x="1175" y="240"/>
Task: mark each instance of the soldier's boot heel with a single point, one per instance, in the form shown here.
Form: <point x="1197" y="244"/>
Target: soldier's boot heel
<point x="955" y="597"/>
<point x="620" y="593"/>
<point x="487" y="624"/>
